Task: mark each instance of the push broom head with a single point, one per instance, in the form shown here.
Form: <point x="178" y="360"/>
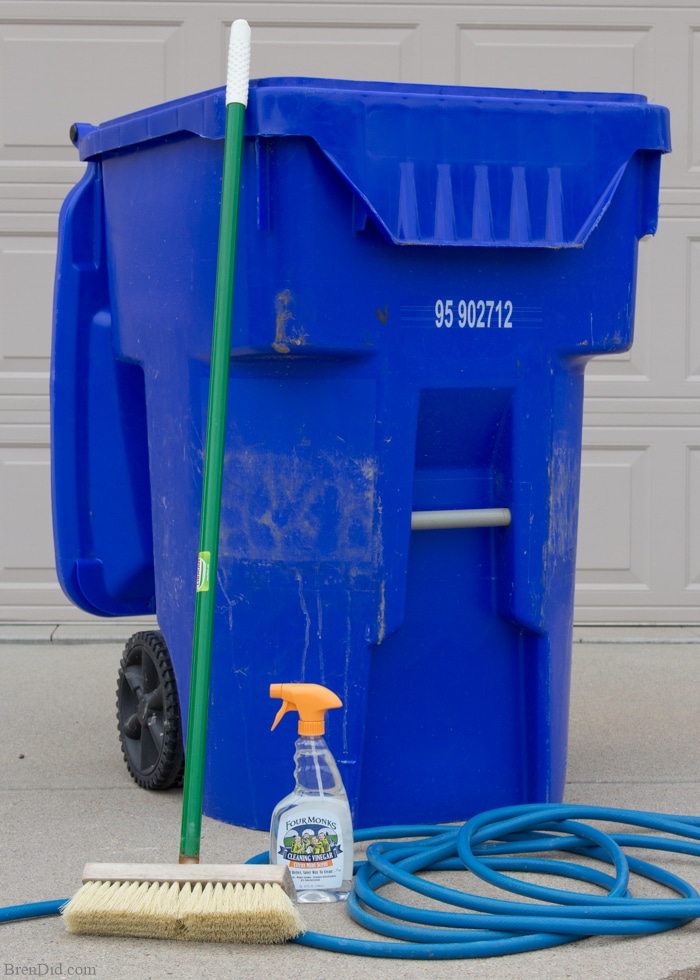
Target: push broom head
<point x="226" y="903"/>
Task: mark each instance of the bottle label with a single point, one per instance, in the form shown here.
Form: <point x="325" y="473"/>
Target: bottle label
<point x="311" y="844"/>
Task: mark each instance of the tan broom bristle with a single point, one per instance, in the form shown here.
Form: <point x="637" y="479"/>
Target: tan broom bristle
<point x="229" y="912"/>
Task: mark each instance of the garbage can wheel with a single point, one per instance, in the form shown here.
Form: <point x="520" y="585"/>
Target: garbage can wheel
<point x="148" y="713"/>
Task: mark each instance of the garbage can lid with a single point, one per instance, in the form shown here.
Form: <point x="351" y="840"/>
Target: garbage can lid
<point x="442" y="165"/>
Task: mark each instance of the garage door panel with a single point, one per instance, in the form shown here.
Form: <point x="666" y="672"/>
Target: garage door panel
<point x="26" y="286"/>
<point x="604" y="59"/>
<point x="692" y="311"/>
<point x="382" y="52"/>
<point x="692" y="539"/>
<point x="639" y="522"/>
<point x="632" y="371"/>
<point x="614" y="544"/>
<point x="693" y="148"/>
<point x="61" y="73"/>
<point x="664" y="361"/>
<point x="25" y="503"/>
<point x="676" y="308"/>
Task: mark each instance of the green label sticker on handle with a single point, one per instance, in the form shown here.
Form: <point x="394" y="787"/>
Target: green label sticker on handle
<point x="203" y="564"/>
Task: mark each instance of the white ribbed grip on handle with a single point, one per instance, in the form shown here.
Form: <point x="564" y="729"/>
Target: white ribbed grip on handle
<point x="238" y="72"/>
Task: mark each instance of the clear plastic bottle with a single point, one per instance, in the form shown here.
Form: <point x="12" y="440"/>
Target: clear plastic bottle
<point x="311" y="828"/>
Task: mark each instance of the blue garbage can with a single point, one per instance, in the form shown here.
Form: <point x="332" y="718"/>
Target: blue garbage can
<point x="423" y="273"/>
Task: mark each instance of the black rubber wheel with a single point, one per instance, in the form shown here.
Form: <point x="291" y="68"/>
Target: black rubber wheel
<point x="148" y="713"/>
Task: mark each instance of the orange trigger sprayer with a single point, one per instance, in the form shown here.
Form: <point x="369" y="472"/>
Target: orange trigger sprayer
<point x="311" y="701"/>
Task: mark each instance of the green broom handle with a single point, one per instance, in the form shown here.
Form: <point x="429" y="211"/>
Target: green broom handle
<point x="193" y="791"/>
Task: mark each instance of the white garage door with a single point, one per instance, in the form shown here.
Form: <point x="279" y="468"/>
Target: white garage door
<point x="87" y="60"/>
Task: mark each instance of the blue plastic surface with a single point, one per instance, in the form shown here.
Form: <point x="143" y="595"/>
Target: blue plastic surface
<point x="422" y="275"/>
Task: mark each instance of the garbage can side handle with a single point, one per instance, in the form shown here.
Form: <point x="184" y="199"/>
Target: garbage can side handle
<point x="103" y="567"/>
<point x="75" y="284"/>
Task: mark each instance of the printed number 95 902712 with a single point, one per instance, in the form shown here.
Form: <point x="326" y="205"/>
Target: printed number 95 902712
<point x="479" y="313"/>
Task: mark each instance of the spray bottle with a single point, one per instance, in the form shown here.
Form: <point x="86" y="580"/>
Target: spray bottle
<point x="311" y="828"/>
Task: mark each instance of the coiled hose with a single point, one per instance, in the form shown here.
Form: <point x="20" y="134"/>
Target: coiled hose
<point x="491" y="846"/>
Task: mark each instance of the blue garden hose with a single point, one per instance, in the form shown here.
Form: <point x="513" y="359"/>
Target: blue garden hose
<point x="35" y="910"/>
<point x="491" y="845"/>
